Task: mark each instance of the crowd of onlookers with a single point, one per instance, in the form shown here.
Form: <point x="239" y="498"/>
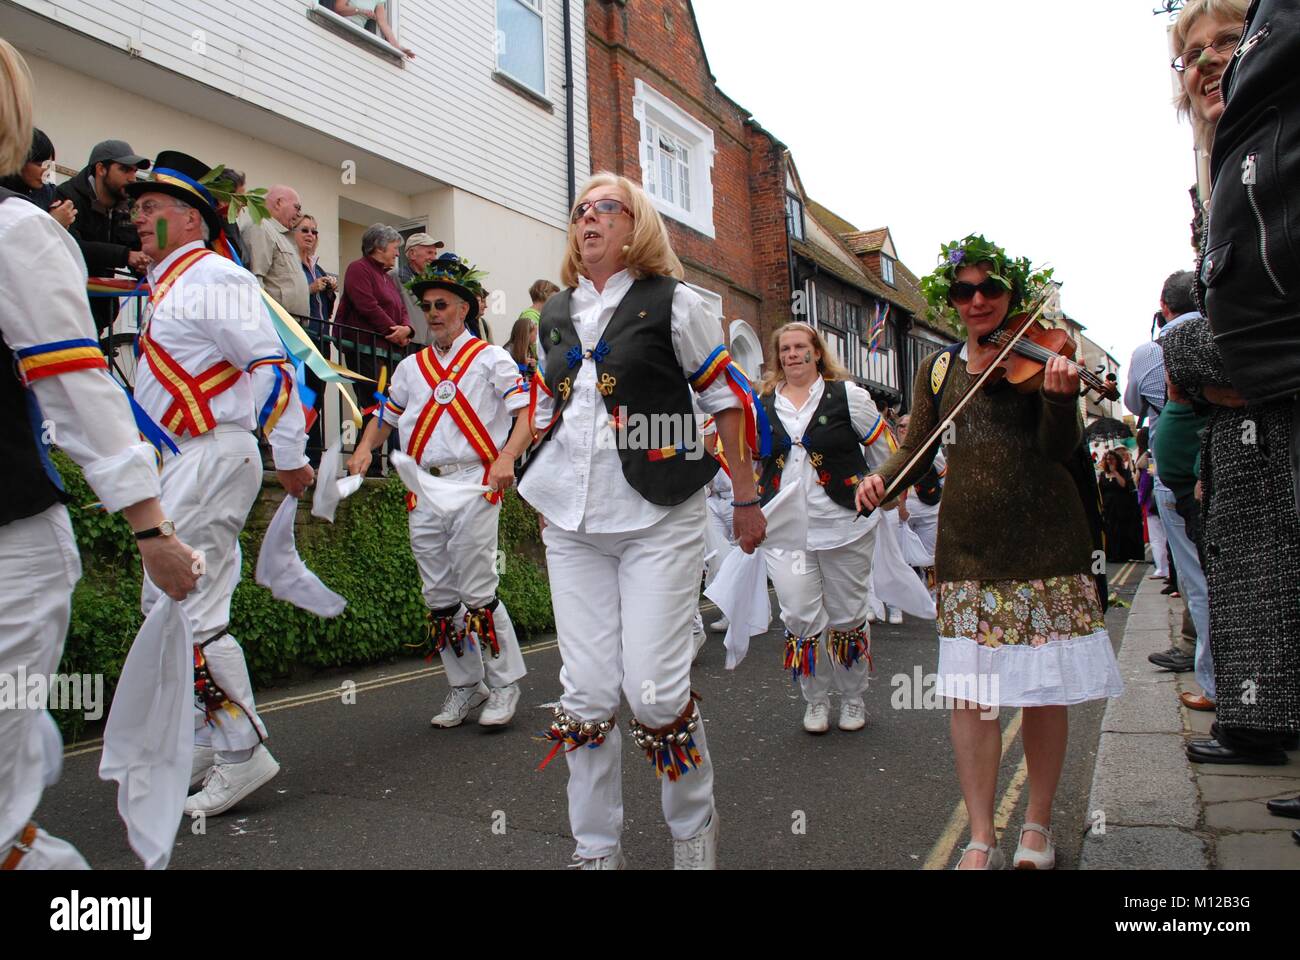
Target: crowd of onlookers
<point x="368" y="316"/>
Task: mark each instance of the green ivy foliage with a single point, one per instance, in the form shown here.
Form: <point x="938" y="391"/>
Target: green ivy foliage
<point x="365" y="556"/>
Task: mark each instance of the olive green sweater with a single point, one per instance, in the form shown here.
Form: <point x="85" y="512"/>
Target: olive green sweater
<point x="1010" y="508"/>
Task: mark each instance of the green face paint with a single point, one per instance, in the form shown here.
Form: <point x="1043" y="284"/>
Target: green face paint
<point x="807" y="356"/>
<point x="160" y="232"/>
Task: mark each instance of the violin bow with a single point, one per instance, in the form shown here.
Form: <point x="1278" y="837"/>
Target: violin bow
<point x="938" y="430"/>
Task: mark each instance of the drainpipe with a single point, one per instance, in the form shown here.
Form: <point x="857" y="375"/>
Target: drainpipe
<point x="568" y="101"/>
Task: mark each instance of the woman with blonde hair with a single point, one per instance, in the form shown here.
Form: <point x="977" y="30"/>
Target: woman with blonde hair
<point x="826" y="435"/>
<point x="51" y="371"/>
<point x="1204" y="38"/>
<point x="623" y="503"/>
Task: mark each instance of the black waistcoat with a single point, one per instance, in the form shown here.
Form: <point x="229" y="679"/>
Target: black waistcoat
<point x="640" y="378"/>
<point x="831" y="443"/>
<point x="26" y="489"/>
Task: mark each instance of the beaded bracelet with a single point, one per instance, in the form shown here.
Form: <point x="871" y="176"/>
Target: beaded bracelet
<point x="747" y="503"/>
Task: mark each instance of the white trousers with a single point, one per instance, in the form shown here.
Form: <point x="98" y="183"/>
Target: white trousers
<point x="623" y="607"/>
<point x="39" y="566"/>
<point x="1159" y="544"/>
<point x="457" y="557"/>
<point x="820" y="589"/>
<point x="207" y="492"/>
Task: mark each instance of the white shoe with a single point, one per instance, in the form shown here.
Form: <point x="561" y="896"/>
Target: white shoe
<point x="228" y="783"/>
<point x="204" y="758"/>
<point x="817" y="718"/>
<point x="45" y="853"/>
<point x="501" y="704"/>
<point x="853" y="714"/>
<point x="721" y="625"/>
<point x="1028" y="859"/>
<point x="700" y="852"/>
<point x="458" y="704"/>
<point x="993" y="859"/>
<point x="895" y="615"/>
<point x="614" y="861"/>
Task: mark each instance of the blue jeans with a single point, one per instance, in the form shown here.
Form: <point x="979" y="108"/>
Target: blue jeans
<point x="1191" y="584"/>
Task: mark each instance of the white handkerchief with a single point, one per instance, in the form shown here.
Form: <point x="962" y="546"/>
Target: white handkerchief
<point x="446" y="497"/>
<point x="330" y="489"/>
<point x="149" y="737"/>
<point x="894" y="582"/>
<point x="281" y="570"/>
<point x="740" y="588"/>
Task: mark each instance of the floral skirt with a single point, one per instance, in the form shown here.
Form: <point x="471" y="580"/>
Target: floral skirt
<point x="1025" y="643"/>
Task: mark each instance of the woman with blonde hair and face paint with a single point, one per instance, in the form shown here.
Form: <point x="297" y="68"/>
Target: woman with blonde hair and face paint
<point x="827" y="435"/>
<point x="624" y="511"/>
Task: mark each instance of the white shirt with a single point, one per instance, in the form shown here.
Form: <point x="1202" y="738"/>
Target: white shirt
<point x="916" y="509"/>
<point x="577" y="481"/>
<point x="215" y="312"/>
<point x="491" y="384"/>
<point x="43" y="300"/>
<point x="829" y="524"/>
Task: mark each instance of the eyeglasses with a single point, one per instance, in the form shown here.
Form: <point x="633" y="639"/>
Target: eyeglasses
<point x="428" y="306"/>
<point x="608" y="207"/>
<point x="149" y="207"/>
<point x="309" y="230"/>
<point x="1224" y="45"/>
<point x="963" y="292"/>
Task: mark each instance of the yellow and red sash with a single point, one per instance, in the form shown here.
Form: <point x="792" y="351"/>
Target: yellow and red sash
<point x="189" y="412"/>
<point x="462" y="413"/>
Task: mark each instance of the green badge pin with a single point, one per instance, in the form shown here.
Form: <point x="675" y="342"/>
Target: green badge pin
<point x="822" y="420"/>
<point x="555" y="335"/>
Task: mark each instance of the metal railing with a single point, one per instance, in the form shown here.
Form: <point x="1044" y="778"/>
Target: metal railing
<point x="360" y="350"/>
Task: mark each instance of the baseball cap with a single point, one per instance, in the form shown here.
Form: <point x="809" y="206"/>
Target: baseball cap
<point x="423" y="240"/>
<point x="117" y="151"/>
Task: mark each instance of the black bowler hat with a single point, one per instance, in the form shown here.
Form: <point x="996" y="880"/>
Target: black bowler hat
<point x="179" y="175"/>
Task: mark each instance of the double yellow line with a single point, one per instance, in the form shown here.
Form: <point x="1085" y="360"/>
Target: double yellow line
<point x="942" y="851"/>
<point x="306" y="699"/>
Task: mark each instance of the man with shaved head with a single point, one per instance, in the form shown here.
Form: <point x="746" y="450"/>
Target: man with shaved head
<point x="273" y="255"/>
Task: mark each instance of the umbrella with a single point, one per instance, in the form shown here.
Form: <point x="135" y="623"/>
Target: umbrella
<point x="1104" y="427"/>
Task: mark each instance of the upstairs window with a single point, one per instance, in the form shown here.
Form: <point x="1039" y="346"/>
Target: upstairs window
<point x="887" y="269"/>
<point x="521" y="43"/>
<point x="676" y="154"/>
<point x="794" y="216"/>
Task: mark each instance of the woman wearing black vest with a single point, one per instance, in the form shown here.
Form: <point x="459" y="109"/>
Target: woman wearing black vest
<point x="821" y="422"/>
<point x="619" y="479"/>
<point x="54" y="388"/>
<point x="1020" y="621"/>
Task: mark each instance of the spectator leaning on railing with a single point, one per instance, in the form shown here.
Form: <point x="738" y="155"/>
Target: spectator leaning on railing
<point x="273" y="256"/>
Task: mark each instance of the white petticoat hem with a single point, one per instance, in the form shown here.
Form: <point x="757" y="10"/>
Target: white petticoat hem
<point x="1057" y="673"/>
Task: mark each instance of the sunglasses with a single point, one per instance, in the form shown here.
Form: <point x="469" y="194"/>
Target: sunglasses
<point x="309" y="230"/>
<point x="428" y="306"/>
<point x="963" y="292"/>
<point x="607" y="207"/>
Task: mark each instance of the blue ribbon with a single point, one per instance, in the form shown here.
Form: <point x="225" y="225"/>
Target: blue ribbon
<point x="177" y="175"/>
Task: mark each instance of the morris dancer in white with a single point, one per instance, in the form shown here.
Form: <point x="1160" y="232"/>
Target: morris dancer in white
<point x="452" y="403"/>
<point x="212" y="371"/>
<point x="823" y="424"/>
<point x="53" y="381"/>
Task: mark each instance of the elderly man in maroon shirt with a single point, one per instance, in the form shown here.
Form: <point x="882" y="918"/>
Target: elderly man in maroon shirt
<point x="372" y="313"/>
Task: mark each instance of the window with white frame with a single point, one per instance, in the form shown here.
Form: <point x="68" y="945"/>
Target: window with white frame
<point x="521" y="42"/>
<point x="794" y="216"/>
<point x="887" y="269"/>
<point x="676" y="159"/>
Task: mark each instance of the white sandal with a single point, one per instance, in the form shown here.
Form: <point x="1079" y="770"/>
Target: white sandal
<point x="1028" y="859"/>
<point x="993" y="856"/>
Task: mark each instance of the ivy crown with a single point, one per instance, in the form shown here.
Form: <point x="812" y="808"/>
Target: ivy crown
<point x="1017" y="275"/>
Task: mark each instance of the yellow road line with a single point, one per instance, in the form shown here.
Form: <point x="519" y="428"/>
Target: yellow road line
<point x="288" y="703"/>
<point x="943" y="848"/>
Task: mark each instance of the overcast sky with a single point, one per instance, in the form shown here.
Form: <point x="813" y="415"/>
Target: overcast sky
<point x="1043" y="124"/>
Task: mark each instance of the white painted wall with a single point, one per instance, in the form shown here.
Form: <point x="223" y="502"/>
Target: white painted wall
<point x="442" y="114"/>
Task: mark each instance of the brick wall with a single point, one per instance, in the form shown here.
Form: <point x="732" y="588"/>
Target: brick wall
<point x="657" y="42"/>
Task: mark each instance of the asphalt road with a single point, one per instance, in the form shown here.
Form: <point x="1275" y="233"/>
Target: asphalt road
<point x="371" y="785"/>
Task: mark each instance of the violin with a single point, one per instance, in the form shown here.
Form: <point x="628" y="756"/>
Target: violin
<point x="1024" y="367"/>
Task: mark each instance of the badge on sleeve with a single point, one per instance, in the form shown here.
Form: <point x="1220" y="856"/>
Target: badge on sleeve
<point x="445" y="392"/>
<point x="555" y="334"/>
